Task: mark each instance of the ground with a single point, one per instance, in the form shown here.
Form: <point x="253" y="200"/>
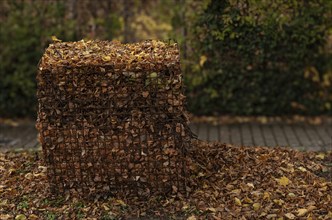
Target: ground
<point x="224" y="182"/>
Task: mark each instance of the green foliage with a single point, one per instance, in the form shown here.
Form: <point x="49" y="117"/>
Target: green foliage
<point x="26" y="29"/>
<point x="23" y="35"/>
<point x="262" y="57"/>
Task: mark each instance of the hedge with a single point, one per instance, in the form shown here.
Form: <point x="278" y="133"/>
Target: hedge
<point x="25" y="31"/>
<point x="262" y="58"/>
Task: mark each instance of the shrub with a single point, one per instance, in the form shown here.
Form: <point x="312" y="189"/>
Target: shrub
<point x="262" y="57"/>
<point x="23" y="35"/>
<point x="26" y="29"/>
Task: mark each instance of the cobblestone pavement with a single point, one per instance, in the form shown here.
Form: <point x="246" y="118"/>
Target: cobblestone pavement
<point x="298" y="136"/>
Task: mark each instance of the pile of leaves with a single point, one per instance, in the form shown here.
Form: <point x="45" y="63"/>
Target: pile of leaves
<point x="224" y="182"/>
<point x="112" y="116"/>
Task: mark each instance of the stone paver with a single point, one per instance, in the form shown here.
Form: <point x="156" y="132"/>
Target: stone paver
<point x="299" y="136"/>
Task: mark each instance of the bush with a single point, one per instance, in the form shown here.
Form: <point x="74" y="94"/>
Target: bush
<point x="26" y="29"/>
<point x="23" y="35"/>
<point x="263" y="57"/>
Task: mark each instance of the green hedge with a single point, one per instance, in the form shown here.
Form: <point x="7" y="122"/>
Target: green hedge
<point x="25" y="31"/>
<point x="24" y="34"/>
<point x="262" y="58"/>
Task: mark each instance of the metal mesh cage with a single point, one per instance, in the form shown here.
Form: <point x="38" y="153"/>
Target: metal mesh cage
<point x="111" y="117"/>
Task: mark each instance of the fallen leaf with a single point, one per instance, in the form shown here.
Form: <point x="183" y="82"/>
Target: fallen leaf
<point x="105" y="207"/>
<point x="237" y="201"/>
<point x="5" y="216"/>
<point x="302" y="212"/>
<point x="202" y="60"/>
<point x="290" y="216"/>
<point x="271" y="216"/>
<point x="145" y="94"/>
<point x="211" y="209"/>
<point x="320" y="156"/>
<point x="266" y="196"/>
<point x="106" y="58"/>
<point x="302" y="169"/>
<point x="291" y="195"/>
<point x="20" y="217"/>
<point x="33" y="217"/>
<point x="120" y="202"/>
<point x="283" y="181"/>
<point x="278" y="201"/>
<point x="250" y="185"/>
<point x="191" y="218"/>
<point x="55" y="39"/>
<point x="256" y="206"/>
<point x="248" y="200"/>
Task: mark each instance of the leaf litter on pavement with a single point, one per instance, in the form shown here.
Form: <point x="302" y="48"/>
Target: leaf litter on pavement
<point x="223" y="182"/>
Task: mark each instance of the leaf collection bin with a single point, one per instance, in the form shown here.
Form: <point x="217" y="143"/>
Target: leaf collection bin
<point x="111" y="117"/>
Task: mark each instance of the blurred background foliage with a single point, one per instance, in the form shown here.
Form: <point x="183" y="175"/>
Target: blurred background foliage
<point x="251" y="57"/>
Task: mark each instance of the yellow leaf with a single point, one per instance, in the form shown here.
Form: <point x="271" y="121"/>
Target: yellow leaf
<point x="250" y="185"/>
<point x="237" y="201"/>
<point x="256" y="206"/>
<point x="5" y="216"/>
<point x="266" y="196"/>
<point x="291" y="195"/>
<point x="106" y="58"/>
<point x="248" y="200"/>
<point x="236" y="191"/>
<point x="120" y="202"/>
<point x="211" y="209"/>
<point x="153" y="75"/>
<point x="302" y="169"/>
<point x="283" y="181"/>
<point x="185" y="207"/>
<point x="105" y="207"/>
<point x="278" y="201"/>
<point x="33" y="217"/>
<point x="329" y="215"/>
<point x="202" y="60"/>
<point x="20" y="217"/>
<point x="302" y="212"/>
<point x="290" y="216"/>
<point x="55" y="39"/>
<point x="191" y="218"/>
<point x="320" y="156"/>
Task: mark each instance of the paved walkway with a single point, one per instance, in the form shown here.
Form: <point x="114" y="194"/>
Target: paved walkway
<point x="298" y="136"/>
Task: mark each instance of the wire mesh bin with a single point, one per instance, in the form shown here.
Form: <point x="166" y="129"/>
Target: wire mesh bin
<point x="111" y="117"/>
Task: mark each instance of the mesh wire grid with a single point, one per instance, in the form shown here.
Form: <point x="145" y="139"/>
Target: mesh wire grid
<point x="116" y="126"/>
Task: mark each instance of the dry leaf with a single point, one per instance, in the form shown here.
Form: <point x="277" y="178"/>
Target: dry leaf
<point x="20" y="217"/>
<point x="283" y="181"/>
<point x="33" y="217"/>
<point x="320" y="156"/>
<point x="302" y="212"/>
<point x="256" y="206"/>
<point x="290" y="216"/>
<point x="237" y="201"/>
<point x="5" y="216"/>
<point x="55" y="39"/>
<point x="266" y="196"/>
<point x="191" y="218"/>
<point x="202" y="60"/>
<point x="211" y="209"/>
<point x="145" y="94"/>
<point x="106" y="58"/>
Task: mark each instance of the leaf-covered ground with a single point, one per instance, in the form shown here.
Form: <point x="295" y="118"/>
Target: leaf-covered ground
<point x="225" y="182"/>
